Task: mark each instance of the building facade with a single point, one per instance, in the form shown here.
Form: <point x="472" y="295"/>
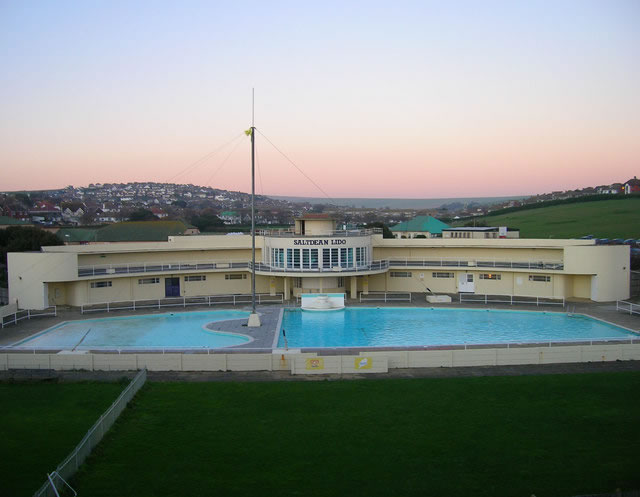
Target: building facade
<point x="315" y="257"/>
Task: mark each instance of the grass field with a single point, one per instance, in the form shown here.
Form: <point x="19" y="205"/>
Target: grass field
<point x="501" y="436"/>
<point x="603" y="219"/>
<point x="40" y="423"/>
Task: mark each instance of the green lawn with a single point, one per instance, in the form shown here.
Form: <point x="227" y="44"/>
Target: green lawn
<point x="40" y="424"/>
<point x="502" y="436"/>
<point x="603" y="219"/>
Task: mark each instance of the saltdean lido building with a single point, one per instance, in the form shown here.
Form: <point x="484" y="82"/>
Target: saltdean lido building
<point x="315" y="257"/>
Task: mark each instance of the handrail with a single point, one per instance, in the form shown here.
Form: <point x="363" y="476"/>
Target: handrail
<point x="208" y="300"/>
<point x="107" y="270"/>
<point x="484" y="299"/>
<point x="291" y="233"/>
<point x="630" y="307"/>
<point x="155" y="267"/>
<point x="386" y="296"/>
<point x="372" y="266"/>
<point x="28" y="314"/>
<point x="476" y="263"/>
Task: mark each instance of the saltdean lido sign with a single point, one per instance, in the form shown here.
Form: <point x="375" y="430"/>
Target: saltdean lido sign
<point x="331" y="241"/>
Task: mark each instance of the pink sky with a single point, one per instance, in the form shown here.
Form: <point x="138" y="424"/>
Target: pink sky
<point x="414" y="100"/>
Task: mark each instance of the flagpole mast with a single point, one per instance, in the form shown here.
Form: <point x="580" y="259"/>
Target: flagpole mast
<point x="254" y="319"/>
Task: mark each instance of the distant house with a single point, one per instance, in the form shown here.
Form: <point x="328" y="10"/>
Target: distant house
<point x="428" y="226"/>
<point x="158" y="212"/>
<point x="230" y="217"/>
<point x="632" y="186"/>
<point x="481" y="232"/>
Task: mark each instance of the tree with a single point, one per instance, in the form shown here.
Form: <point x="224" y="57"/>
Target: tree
<point x="142" y="215"/>
<point x="207" y="221"/>
<point x="22" y="239"/>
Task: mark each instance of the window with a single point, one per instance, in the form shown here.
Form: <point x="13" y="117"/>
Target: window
<point x="538" y="277"/>
<point x="198" y="277"/>
<point x="442" y="275"/>
<point x="326" y="258"/>
<point x="277" y="257"/>
<point x="361" y="256"/>
<point x="101" y="284"/>
<point x="340" y="282"/>
<point x="490" y="276"/>
<point x="400" y="274"/>
<point x="314" y="258"/>
<point x="334" y="257"/>
<point x="148" y="281"/>
<point x="236" y="276"/>
<point x="297" y="282"/>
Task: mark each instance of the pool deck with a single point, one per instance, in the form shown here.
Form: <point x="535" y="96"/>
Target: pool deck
<point x="265" y="335"/>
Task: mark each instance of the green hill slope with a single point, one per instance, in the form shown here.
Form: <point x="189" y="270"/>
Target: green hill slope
<point x="604" y="219"/>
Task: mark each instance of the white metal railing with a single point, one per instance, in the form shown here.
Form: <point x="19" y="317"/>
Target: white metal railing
<point x="630" y="307"/>
<point x="15" y="317"/>
<point x="511" y="299"/>
<point x="372" y="266"/>
<point x="385" y="297"/>
<point x="475" y="263"/>
<point x="291" y="233"/>
<point x="208" y="300"/>
<point x="72" y="462"/>
<point x="155" y="267"/>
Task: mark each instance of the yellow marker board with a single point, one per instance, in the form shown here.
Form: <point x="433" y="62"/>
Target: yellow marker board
<point x="315" y="363"/>
<point x="363" y="362"/>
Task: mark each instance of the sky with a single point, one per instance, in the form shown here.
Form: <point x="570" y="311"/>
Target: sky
<point x="401" y="99"/>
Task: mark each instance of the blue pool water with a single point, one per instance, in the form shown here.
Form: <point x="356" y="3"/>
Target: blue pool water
<point x="386" y="327"/>
<point x="180" y="329"/>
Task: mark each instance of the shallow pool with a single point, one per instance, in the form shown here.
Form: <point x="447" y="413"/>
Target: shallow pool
<point x="386" y="327"/>
<point x="179" y="329"/>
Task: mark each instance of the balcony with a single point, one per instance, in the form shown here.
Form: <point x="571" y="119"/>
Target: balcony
<point x="477" y="263"/>
<point x="155" y="267"/>
<point x="372" y="266"/>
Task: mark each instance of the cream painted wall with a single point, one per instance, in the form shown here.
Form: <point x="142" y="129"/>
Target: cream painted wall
<point x="28" y="272"/>
<point x="170" y="257"/>
<point x="611" y="265"/>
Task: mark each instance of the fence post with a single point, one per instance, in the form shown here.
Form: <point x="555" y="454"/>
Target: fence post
<point x="107" y="306"/>
<point x="184" y="301"/>
<point x="158" y="303"/>
<point x="485" y="299"/>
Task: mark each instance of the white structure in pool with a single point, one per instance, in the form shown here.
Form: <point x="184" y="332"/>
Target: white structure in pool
<point x="314" y="257"/>
<point x="322" y="301"/>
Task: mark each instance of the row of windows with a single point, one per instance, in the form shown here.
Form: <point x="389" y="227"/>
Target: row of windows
<point x="490" y="276"/>
<point x="153" y="281"/>
<point x="309" y="258"/>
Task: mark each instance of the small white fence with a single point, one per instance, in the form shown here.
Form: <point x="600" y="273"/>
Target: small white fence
<point x="385" y="297"/>
<point x="209" y="300"/>
<point x="70" y="465"/>
<point x="510" y="299"/>
<point x="630" y="307"/>
<point x="16" y="316"/>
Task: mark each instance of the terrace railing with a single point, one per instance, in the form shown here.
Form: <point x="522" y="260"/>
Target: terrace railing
<point x="372" y="266"/>
<point x="476" y="263"/>
<point x="290" y="233"/>
<point x="17" y="316"/>
<point x="630" y="307"/>
<point x="209" y="300"/>
<point x="155" y="267"/>
<point x="510" y="299"/>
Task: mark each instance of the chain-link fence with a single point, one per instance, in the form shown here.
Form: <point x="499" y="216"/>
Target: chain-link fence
<point x="70" y="465"/>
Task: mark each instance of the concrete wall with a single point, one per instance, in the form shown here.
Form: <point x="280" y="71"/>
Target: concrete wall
<point x="298" y="363"/>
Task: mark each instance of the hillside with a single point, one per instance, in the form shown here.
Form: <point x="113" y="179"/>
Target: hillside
<point x="618" y="218"/>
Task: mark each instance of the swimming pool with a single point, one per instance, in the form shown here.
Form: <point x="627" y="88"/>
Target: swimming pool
<point x="180" y="329"/>
<point x="389" y="327"/>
